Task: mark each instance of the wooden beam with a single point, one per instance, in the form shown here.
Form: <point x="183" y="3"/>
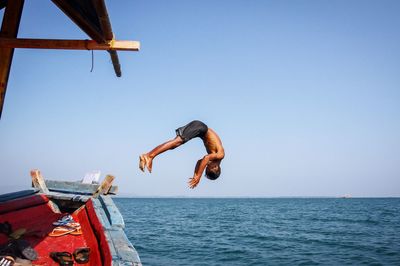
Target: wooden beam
<point x="3" y="4"/>
<point x="105" y="186"/>
<point x="104" y="20"/>
<point x="105" y="25"/>
<point x="38" y="181"/>
<point x="69" y="44"/>
<point x="115" y="62"/>
<point x="75" y="187"/>
<point x="79" y="19"/>
<point x="9" y="29"/>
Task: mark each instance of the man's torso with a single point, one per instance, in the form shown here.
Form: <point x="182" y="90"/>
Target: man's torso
<point x="213" y="143"/>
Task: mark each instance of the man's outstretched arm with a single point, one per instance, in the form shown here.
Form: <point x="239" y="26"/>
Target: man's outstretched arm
<point x="199" y="169"/>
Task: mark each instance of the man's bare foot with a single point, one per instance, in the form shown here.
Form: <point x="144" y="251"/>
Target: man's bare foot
<point x="145" y="161"/>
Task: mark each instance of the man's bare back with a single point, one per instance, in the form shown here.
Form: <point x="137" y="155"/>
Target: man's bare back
<point x="210" y="162"/>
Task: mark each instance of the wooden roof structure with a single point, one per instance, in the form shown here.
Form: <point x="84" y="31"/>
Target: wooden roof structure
<point x="90" y="16"/>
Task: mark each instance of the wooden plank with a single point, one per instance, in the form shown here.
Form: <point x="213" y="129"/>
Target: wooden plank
<point x="98" y="229"/>
<point x="69" y="44"/>
<point x="101" y="214"/>
<point x="3" y="4"/>
<point x="67" y="197"/>
<point x="75" y="187"/>
<point x="122" y="250"/>
<point x="38" y="181"/>
<point x="81" y="20"/>
<point x="54" y="207"/>
<point x="105" y="186"/>
<point x="9" y="29"/>
<point x="115" y="62"/>
<point x="113" y="214"/>
<point x="104" y="20"/>
<point x="126" y="253"/>
<point x="18" y="194"/>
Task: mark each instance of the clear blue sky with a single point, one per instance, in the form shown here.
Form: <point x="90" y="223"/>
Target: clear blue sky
<point x="304" y="94"/>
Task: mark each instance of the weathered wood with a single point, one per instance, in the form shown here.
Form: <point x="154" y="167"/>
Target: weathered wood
<point x="122" y="251"/>
<point x="3" y="4"/>
<point x="115" y="62"/>
<point x="81" y="19"/>
<point x="105" y="25"/>
<point x="38" y="181"/>
<point x="18" y="194"/>
<point x="113" y="214"/>
<point x="9" y="29"/>
<point x="69" y="44"/>
<point x="67" y="197"/>
<point x="75" y="187"/>
<point x="101" y="214"/>
<point x="127" y="255"/>
<point x="105" y="186"/>
<point x="54" y="207"/>
<point x="104" y="20"/>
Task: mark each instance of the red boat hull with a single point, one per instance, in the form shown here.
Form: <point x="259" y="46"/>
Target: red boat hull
<point x="36" y="215"/>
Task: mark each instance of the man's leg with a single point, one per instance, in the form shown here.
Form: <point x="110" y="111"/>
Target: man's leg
<point x="147" y="158"/>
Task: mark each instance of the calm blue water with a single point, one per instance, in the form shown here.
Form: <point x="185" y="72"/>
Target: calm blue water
<point x="264" y="231"/>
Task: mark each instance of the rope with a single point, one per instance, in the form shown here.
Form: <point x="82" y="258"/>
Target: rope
<point x="91" y="70"/>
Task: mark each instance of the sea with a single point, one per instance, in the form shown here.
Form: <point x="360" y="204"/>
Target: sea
<point x="263" y="231"/>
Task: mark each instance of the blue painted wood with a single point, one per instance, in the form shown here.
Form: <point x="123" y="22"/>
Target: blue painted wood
<point x="113" y="214"/>
<point x="98" y="207"/>
<point x="75" y="187"/>
<point x="126" y="253"/>
<point x="67" y="197"/>
<point x="18" y="194"/>
<point x="122" y="250"/>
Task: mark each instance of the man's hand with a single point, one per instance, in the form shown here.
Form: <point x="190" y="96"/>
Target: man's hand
<point x="194" y="181"/>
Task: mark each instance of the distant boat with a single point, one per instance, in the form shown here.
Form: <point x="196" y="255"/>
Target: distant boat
<point x="30" y="214"/>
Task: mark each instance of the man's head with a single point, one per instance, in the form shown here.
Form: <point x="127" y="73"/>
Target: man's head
<point x="213" y="170"/>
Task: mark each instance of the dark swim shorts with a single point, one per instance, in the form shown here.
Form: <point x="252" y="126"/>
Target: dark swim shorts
<point x="192" y="130"/>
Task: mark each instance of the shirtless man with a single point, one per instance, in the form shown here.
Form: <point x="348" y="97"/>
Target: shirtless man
<point x="210" y="162"/>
